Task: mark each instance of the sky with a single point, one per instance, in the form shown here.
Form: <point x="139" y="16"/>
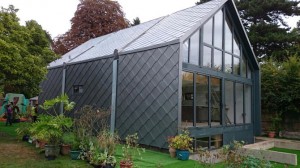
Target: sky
<point x="55" y="15"/>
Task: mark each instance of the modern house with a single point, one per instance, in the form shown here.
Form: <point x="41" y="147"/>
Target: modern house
<point x="192" y="69"/>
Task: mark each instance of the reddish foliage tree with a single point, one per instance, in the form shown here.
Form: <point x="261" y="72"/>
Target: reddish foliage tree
<point x="93" y="18"/>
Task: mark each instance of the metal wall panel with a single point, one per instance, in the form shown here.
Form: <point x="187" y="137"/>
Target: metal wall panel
<point x="51" y="86"/>
<point x="147" y="96"/>
<point x="95" y="78"/>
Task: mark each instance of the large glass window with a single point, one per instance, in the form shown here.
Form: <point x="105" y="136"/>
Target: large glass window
<point x="216" y="97"/>
<point x="206" y="56"/>
<point x="187" y="99"/>
<point x="218" y="60"/>
<point x="236" y="47"/>
<point x="228" y="63"/>
<point x="248" y="104"/>
<point x="239" y="103"/>
<point x="228" y="36"/>
<point x="201" y="100"/>
<point x="185" y="51"/>
<point x="243" y="67"/>
<point x="229" y="102"/>
<point x="207" y="32"/>
<point x="236" y="65"/>
<point x="218" y="29"/>
<point x="194" y="48"/>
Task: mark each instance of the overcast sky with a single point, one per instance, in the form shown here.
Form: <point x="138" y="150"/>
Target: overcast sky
<point x="55" y="15"/>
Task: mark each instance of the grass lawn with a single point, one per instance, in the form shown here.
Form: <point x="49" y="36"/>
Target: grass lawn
<point x="277" y="165"/>
<point x="16" y="153"/>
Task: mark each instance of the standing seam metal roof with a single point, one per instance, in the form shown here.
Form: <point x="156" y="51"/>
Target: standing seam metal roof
<point x="154" y="32"/>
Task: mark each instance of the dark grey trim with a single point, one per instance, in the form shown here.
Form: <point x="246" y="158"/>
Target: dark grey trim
<point x="63" y="85"/>
<point x="114" y="91"/>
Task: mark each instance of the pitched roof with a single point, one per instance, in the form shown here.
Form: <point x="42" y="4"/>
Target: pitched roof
<point x="154" y="32"/>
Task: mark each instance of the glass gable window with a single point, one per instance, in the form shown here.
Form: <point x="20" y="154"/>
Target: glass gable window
<point x="194" y="49"/>
<point x="207" y="32"/>
<point x="228" y="36"/>
<point x="218" y="30"/>
<point x="185" y="51"/>
<point x="206" y="56"/>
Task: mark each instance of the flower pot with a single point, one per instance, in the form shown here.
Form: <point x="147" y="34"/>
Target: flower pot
<point x="65" y="149"/>
<point x="182" y="154"/>
<point x="124" y="164"/>
<point x="75" y="154"/>
<point x="271" y="134"/>
<point x="172" y="152"/>
<point x="51" y="151"/>
<point x="104" y="166"/>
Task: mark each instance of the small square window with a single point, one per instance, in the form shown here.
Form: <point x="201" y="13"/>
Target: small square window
<point x="77" y="89"/>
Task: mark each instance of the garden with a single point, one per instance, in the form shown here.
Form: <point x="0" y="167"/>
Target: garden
<point x="56" y="140"/>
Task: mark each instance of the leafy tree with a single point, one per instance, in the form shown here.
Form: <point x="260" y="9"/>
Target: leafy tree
<point x="136" y="21"/>
<point x="24" y="54"/>
<point x="281" y="87"/>
<point x="267" y="30"/>
<point x="93" y="18"/>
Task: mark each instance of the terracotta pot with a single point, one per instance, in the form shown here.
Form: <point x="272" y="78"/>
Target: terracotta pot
<point x="124" y="164"/>
<point x="65" y="149"/>
<point x="271" y="134"/>
<point x="42" y="144"/>
<point x="172" y="152"/>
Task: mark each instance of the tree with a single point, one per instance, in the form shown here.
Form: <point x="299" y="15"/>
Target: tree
<point x="93" y="18"/>
<point x="136" y="21"/>
<point x="267" y="30"/>
<point x="24" y="54"/>
<point x="280" y="87"/>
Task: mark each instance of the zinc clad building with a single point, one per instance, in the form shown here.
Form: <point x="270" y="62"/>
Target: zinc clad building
<point x="192" y="69"/>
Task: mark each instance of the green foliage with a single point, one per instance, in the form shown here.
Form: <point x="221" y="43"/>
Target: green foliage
<point x="24" y="54"/>
<point x="71" y="139"/>
<point x="24" y="130"/>
<point x="182" y="141"/>
<point x="280" y="85"/>
<point x="50" y="128"/>
<point x="268" y="32"/>
<point x="131" y="149"/>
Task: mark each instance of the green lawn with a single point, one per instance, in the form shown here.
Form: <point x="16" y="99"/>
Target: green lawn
<point x="15" y="153"/>
<point x="23" y="154"/>
<point x="277" y="165"/>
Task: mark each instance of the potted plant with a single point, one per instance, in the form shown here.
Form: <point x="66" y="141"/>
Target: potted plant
<point x="101" y="159"/>
<point x="67" y="140"/>
<point x="172" y="149"/>
<point x="182" y="143"/>
<point x="129" y="150"/>
<point x="51" y="127"/>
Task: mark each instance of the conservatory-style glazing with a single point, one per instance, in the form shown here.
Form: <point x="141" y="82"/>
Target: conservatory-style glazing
<point x="216" y="81"/>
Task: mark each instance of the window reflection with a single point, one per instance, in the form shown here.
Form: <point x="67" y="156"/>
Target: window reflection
<point x="239" y="103"/>
<point x="248" y="104"/>
<point x="187" y="99"/>
<point x="194" y="48"/>
<point x="218" y="60"/>
<point x="218" y="29"/>
<point x="228" y="63"/>
<point x="201" y="100"/>
<point x="236" y="66"/>
<point x="216" y="92"/>
<point x="207" y="32"/>
<point x="229" y="102"/>
<point x="206" y="56"/>
<point x="185" y="51"/>
<point x="228" y="36"/>
<point x="236" y="47"/>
